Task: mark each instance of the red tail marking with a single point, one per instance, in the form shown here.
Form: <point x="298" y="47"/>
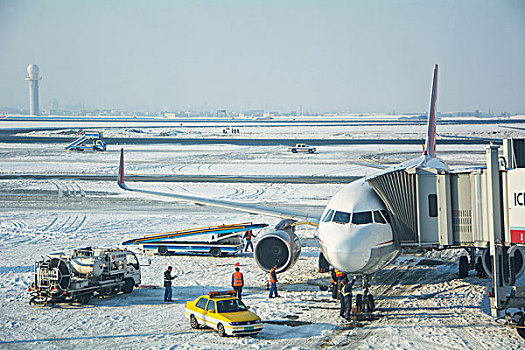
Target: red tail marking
<point x="121" y="167"/>
<point x="430" y="142"/>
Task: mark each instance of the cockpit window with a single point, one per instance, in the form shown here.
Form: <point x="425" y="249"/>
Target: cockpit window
<point x="328" y="215"/>
<point x="341" y="217"/>
<point x="386" y="215"/>
<point x="378" y="217"/>
<point x="362" y="218"/>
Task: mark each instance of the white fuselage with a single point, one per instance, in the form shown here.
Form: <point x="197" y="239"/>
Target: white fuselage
<point x="354" y="232"/>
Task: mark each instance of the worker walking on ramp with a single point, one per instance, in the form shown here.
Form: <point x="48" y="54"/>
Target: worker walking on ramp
<point x="248" y="237"/>
<point x="273" y="282"/>
<point x="238" y="282"/>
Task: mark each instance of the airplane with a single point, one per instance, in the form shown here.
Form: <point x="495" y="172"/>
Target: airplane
<point x="354" y="230"/>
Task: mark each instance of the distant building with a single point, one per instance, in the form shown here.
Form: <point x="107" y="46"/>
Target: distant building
<point x="33" y="78"/>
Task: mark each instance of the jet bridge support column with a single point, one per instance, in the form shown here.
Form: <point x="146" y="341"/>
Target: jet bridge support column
<point x="496" y="237"/>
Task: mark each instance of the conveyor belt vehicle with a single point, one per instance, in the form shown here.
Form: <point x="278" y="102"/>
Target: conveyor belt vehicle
<point x="215" y="240"/>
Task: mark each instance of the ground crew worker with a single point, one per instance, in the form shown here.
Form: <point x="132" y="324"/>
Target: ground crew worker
<point x="237" y="282"/>
<point x="346" y="299"/>
<point x="248" y="236"/>
<point x="339" y="276"/>
<point x="333" y="280"/>
<point x="167" y="284"/>
<point x="273" y="282"/>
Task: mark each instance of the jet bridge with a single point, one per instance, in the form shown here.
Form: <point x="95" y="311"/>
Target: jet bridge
<point x="479" y="209"/>
<point x="434" y="208"/>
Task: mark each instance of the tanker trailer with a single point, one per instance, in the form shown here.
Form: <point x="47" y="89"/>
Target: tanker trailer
<point x="86" y="273"/>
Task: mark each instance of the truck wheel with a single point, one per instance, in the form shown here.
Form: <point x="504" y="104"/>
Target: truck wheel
<point x="193" y="322"/>
<point x="220" y="329"/>
<point x="83" y="298"/>
<point x="128" y="285"/>
<point x="521" y="323"/>
<point x="162" y="250"/>
<point x="215" y="252"/>
<point x="463" y="266"/>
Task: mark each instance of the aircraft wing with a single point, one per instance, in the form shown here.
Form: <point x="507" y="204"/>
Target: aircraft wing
<point x="369" y="165"/>
<point x="511" y="127"/>
<point x="300" y="216"/>
<point x="454" y="136"/>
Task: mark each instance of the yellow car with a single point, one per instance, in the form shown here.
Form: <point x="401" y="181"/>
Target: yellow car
<point x="224" y="312"/>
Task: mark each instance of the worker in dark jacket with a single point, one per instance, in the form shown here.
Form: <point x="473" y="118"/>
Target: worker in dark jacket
<point x="273" y="282"/>
<point x="248" y="237"/>
<point x="238" y="282"/>
<point x="333" y="281"/>
<point x="346" y="299"/>
<point x="167" y="284"/>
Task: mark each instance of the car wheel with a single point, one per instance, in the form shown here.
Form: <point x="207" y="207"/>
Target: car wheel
<point x="294" y="151"/>
<point x="220" y="329"/>
<point x="162" y="250"/>
<point x="193" y="322"/>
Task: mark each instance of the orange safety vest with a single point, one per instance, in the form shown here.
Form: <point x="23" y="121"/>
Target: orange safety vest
<point x="237" y="279"/>
<point x="272" y="273"/>
<point x="338" y="273"/>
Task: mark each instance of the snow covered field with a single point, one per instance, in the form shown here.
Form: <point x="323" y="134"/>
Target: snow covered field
<point x="419" y="306"/>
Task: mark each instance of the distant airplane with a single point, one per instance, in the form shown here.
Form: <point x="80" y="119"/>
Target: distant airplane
<point x="354" y="230"/>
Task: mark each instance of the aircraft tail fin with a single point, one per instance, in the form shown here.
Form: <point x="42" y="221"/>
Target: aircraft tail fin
<point x="120" y="180"/>
<point x="430" y="141"/>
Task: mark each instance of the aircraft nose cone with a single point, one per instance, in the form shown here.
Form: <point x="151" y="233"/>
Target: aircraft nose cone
<point x="346" y="251"/>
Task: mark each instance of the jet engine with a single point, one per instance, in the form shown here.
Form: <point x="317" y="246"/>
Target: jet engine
<point x="280" y="247"/>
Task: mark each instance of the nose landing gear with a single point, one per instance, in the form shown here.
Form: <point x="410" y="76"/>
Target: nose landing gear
<point x="364" y="303"/>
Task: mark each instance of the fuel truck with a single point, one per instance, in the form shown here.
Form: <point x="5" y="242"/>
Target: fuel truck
<point x="86" y="273"/>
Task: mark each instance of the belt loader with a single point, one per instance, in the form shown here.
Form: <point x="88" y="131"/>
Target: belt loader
<point x="88" y="272"/>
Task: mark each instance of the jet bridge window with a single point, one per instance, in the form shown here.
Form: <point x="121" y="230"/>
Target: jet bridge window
<point x="328" y="215"/>
<point x="341" y="217"/>
<point x="362" y="218"/>
<point x="432" y="205"/>
<point x="378" y="217"/>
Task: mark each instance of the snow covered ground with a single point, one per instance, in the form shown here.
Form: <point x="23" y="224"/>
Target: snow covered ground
<point x="419" y="306"/>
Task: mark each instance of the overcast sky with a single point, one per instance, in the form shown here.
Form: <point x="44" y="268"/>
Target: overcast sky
<point x="358" y="56"/>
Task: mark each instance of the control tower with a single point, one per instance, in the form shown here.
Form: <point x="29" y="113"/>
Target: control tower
<point x="32" y="71"/>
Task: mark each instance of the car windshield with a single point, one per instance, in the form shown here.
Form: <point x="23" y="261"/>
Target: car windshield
<point x="231" y="305"/>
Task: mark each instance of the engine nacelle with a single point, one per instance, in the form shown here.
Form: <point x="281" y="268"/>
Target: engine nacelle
<point x="280" y="247"/>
